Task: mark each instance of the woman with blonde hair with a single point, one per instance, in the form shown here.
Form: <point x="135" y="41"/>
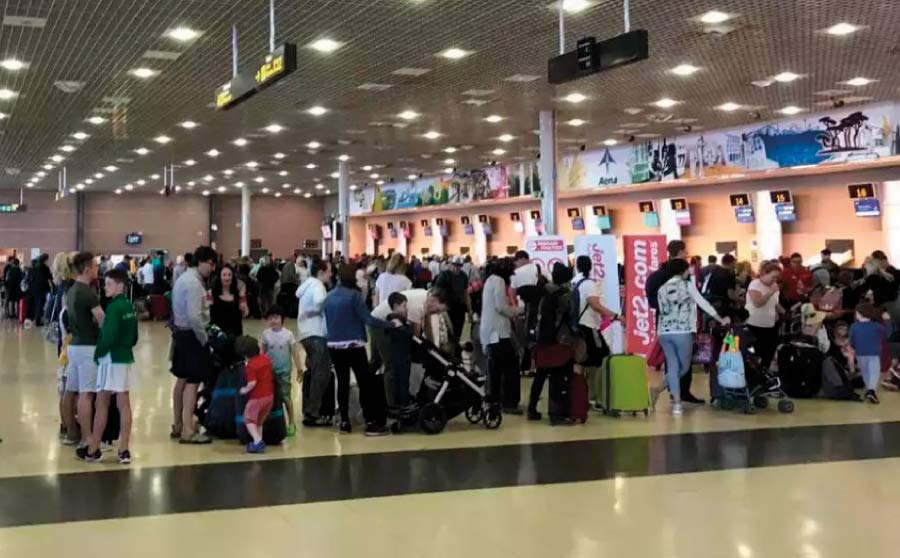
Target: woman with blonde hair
<point x="393" y="280"/>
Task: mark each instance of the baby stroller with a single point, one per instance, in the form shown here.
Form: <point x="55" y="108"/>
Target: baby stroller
<point x="741" y="381"/>
<point x="447" y="390"/>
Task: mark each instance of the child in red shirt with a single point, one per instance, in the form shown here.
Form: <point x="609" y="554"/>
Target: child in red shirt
<point x="260" y="386"/>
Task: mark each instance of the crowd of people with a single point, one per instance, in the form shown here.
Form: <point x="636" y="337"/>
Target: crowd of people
<point x="356" y="318"/>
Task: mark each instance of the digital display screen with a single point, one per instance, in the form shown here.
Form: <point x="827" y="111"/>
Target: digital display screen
<point x="867" y="207"/>
<point x="13" y="207"/>
<point x="573" y="212"/>
<point x="515" y="217"/>
<point x="465" y="221"/>
<point x="647" y="207"/>
<point x="279" y="63"/>
<point x="535" y="215"/>
<point x="239" y="89"/>
<point x="134" y="239"/>
<point x="739" y="200"/>
<point x="861" y="191"/>
<point x="781" y="196"/>
<point x="599" y="210"/>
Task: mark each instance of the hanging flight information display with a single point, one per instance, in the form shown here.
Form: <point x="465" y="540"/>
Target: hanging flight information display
<point x="278" y="64"/>
<point x="743" y="208"/>
<point x="865" y="202"/>
<point x="784" y="205"/>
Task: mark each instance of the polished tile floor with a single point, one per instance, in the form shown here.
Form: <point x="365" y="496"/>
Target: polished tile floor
<point x="816" y="483"/>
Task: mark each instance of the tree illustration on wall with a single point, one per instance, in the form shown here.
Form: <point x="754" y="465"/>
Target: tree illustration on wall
<point x="843" y="135"/>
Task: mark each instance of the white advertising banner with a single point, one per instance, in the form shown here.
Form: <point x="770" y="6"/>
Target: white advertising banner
<point x="601" y="249"/>
<point x="546" y="251"/>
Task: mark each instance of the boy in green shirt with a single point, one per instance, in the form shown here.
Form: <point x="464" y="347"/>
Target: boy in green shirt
<point x="114" y="356"/>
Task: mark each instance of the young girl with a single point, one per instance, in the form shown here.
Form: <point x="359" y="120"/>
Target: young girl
<point x="866" y="338"/>
<point x="260" y="386"/>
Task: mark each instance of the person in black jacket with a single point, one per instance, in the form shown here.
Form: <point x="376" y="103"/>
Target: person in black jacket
<point x="267" y="277"/>
<point x="12" y="278"/>
<point x="40" y="283"/>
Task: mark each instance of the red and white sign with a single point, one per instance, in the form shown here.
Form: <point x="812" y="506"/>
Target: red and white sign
<point x="546" y="251"/>
<point x="601" y="249"/>
<point x="643" y="255"/>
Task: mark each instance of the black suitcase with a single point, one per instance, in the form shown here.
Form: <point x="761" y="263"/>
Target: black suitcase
<point x="327" y="408"/>
<point x="800" y="369"/>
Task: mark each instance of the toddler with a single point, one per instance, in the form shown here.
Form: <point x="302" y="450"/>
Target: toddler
<point x="260" y="386"/>
<point x="279" y="345"/>
<point x="867" y="337"/>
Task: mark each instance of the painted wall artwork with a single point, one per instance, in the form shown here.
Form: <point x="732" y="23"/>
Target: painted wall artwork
<point x="837" y="137"/>
<point x="478" y="184"/>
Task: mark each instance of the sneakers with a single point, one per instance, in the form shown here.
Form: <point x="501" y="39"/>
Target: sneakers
<point x="346" y="428"/>
<point x="677" y="410"/>
<point x="373" y="430"/>
<point x="872" y="397"/>
<point x="195" y="439"/>
<point x="70" y="442"/>
<point x="83" y="453"/>
<point x="124" y="457"/>
<point x="291" y="431"/>
<point x="534" y="415"/>
<point x="256" y="447"/>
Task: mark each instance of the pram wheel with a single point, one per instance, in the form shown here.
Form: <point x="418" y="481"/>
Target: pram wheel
<point x="749" y="409"/>
<point x="396" y="428"/>
<point x="727" y="403"/>
<point x="475" y="414"/>
<point x="785" y="406"/>
<point x="761" y="402"/>
<point x="432" y="419"/>
<point x="493" y="417"/>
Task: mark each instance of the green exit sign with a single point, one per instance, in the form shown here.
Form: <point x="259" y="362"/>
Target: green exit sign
<point x="13" y="207"/>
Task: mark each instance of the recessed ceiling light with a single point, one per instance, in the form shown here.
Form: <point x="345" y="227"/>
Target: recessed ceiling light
<point x="498" y="151"/>
<point x="367" y="168"/>
<point x="129" y="187"/>
<point x="450" y="149"/>
<point x="277" y="194"/>
<point x="325" y="45"/>
<point x="335" y="175"/>
<point x="13" y="64"/>
<point x="41" y="174"/>
<point x="240" y="142"/>
<point x="842" y="28"/>
<point x="190" y="162"/>
<point x="450" y="161"/>
<point x="57" y="158"/>
<point x="859" y="81"/>
<point x="3" y="115"/>
<point x="154" y="177"/>
<point x="374" y="176"/>
<point x="274" y="128"/>
<point x="183" y="34"/>
<point x="431" y="134"/>
<point x="786" y="77"/>
<point x="494" y="118"/>
<point x="79" y="186"/>
<point x="141" y="182"/>
<point x="188" y="124"/>
<point x="285" y="186"/>
<point x="99" y="175"/>
<point x="684" y="70"/>
<point x="574" y="6"/>
<point x="110" y="168"/>
<point x="162" y="139"/>
<point x="96" y="120"/>
<point x="307" y="195"/>
<point x="7" y="94"/>
<point x="279" y="155"/>
<point x="209" y="178"/>
<point x="282" y="173"/>
<point x="213" y="153"/>
<point x="205" y="192"/>
<point x="729" y="107"/>
<point x="313" y="145"/>
<point x="143" y="73"/>
<point x="46" y="167"/>
<point x="311" y="165"/>
<point x="221" y="189"/>
<point x="790" y="110"/>
<point x="454" y="53"/>
<point x="320" y="186"/>
<point x="89" y="181"/>
<point x="67" y="148"/>
<point x="666" y="103"/>
<point x="118" y="190"/>
<point x="610" y="142"/>
<point x="506" y="138"/>
<point x="238" y="184"/>
<point x="227" y="172"/>
<point x="298" y="191"/>
<point x="576" y="122"/>
<point x="412" y="176"/>
<point x="259" y="180"/>
<point x="251" y="164"/>
<point x="343" y="157"/>
<point x="408" y="115"/>
<point x="448" y="170"/>
<point x="574" y="98"/>
<point x="80" y="136"/>
<point x="142" y="151"/>
<point x="715" y="16"/>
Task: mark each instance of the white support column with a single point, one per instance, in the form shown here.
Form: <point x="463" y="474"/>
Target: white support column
<point x="667" y="224"/>
<point x="768" y="228"/>
<point x="522" y="179"/>
<point x="370" y="242"/>
<point x="890" y="219"/>
<point x="402" y="241"/>
<point x="481" y="241"/>
<point x="437" y="239"/>
<point x="547" y="170"/>
<point x="344" y="206"/>
<point x="245" y="221"/>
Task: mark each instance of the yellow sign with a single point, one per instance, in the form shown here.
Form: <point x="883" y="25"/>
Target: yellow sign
<point x="273" y="67"/>
<point x="223" y="97"/>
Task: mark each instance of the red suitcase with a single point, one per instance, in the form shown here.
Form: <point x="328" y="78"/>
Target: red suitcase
<point x="159" y="308"/>
<point x="578" y="398"/>
<point x="23" y="309"/>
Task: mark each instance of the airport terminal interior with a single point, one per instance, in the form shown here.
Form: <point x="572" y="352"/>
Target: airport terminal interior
<point x="396" y="278"/>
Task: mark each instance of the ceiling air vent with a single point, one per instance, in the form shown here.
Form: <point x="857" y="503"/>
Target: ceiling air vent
<point x="24" y="21"/>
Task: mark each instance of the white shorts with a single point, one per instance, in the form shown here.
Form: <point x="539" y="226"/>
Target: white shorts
<point x="81" y="376"/>
<point x="115" y="377"/>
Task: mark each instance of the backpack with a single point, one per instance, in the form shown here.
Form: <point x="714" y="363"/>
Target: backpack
<point x="575" y="311"/>
<point x="656" y="280"/>
<point x="550" y="317"/>
<point x="26" y="279"/>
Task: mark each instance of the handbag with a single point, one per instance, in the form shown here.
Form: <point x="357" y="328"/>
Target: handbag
<point x="703" y="349"/>
<point x="657" y="358"/>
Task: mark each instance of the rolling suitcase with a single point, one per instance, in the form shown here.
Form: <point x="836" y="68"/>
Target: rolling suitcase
<point x="623" y="385"/>
<point x="578" y="398"/>
<point x="159" y="308"/>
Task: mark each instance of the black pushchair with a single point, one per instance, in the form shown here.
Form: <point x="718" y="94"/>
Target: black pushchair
<point x="447" y="390"/>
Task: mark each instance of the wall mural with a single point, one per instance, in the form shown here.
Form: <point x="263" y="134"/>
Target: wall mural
<point x="836" y="137"/>
<point x="479" y="184"/>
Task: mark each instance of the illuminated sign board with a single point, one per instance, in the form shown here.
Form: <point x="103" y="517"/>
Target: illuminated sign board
<point x="781" y="196"/>
<point x="134" y="239"/>
<point x="739" y="200"/>
<point x="647" y="207"/>
<point x="239" y="89"/>
<point x="278" y="64"/>
<point x="13" y="207"/>
<point x="861" y="191"/>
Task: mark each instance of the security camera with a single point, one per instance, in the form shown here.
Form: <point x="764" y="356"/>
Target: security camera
<point x="687" y="128"/>
<point x="837" y="103"/>
<point x="755" y="115"/>
<point x="582" y="148"/>
<point x="631" y="139"/>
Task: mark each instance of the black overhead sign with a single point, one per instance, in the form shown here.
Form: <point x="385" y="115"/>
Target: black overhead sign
<point x="278" y="64"/>
<point x="591" y="56"/>
<point x="13" y="207"/>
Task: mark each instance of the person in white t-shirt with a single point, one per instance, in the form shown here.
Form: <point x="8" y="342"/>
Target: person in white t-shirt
<point x="434" y="266"/>
<point x="393" y="280"/>
<point x="762" y="305"/>
<point x="526" y="273"/>
<point x="591" y="312"/>
<point x="525" y="283"/>
<point x="145" y="276"/>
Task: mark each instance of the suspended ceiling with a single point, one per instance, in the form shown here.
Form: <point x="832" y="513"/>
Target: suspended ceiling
<point x="80" y="63"/>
